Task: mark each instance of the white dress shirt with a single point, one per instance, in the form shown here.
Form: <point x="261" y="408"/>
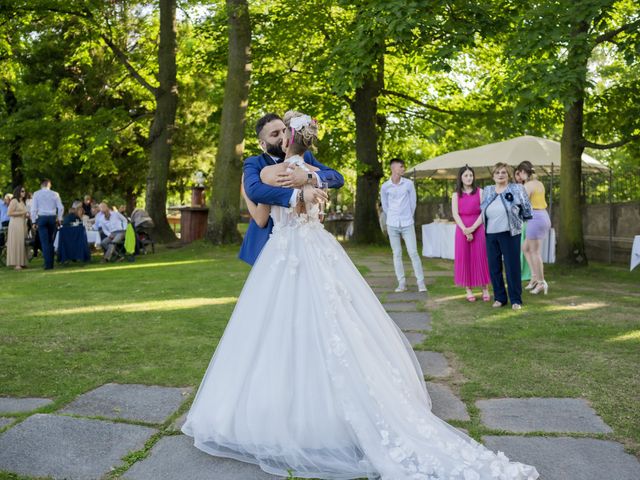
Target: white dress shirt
<point x="46" y="202"/>
<point x="115" y="223"/>
<point x="398" y="202"/>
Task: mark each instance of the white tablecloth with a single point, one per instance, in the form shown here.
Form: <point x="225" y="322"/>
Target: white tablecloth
<point x="635" y="253"/>
<point x="438" y="241"/>
<point x="93" y="236"/>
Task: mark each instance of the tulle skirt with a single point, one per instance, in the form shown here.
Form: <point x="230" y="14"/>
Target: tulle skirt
<point x="313" y="378"/>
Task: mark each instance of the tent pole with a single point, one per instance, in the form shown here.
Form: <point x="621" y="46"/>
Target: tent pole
<point x="549" y="246"/>
<point x="610" y="216"/>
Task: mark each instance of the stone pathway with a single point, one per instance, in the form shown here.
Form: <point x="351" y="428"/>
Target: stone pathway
<point x="91" y="436"/>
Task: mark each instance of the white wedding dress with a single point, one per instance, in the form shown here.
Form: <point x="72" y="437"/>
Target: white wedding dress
<point x="313" y="378"/>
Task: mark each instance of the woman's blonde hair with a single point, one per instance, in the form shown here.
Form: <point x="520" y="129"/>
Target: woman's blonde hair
<point x="500" y="165"/>
<point x="302" y="138"/>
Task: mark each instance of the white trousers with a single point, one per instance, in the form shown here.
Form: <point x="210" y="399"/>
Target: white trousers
<point x="409" y="235"/>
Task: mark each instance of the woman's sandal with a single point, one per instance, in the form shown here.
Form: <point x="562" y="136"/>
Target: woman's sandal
<point x="531" y="285"/>
<point x="486" y="297"/>
<point x="471" y="298"/>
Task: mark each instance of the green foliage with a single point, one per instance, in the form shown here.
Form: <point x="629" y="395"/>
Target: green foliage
<point x="457" y="74"/>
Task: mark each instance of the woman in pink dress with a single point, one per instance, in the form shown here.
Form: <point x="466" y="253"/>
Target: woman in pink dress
<point x="471" y="266"/>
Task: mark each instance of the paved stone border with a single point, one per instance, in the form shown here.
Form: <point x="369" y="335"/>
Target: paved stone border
<point x="400" y="307"/>
<point x="415" y="338"/>
<point x="445" y="404"/>
<point x="142" y="403"/>
<point x="522" y="415"/>
<point x="175" y="457"/>
<point x="406" y="296"/>
<point x="20" y="405"/>
<point x="414" y="321"/>
<point x="68" y="448"/>
<point x="565" y="458"/>
<point x="433" y="364"/>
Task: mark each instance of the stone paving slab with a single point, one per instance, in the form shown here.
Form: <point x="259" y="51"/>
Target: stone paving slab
<point x="18" y="405"/>
<point x="412" y="320"/>
<point x="541" y="415"/>
<point x="142" y="403"/>
<point x="382" y="281"/>
<point x="175" y="457"/>
<point x="61" y="447"/>
<point x="444" y="404"/>
<point x="5" y="421"/>
<point x="406" y="297"/>
<point x="565" y="458"/>
<point x="415" y="338"/>
<point x="400" y="307"/>
<point x="433" y="364"/>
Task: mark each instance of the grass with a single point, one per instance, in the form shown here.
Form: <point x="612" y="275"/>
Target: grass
<point x="158" y="320"/>
<point x="581" y="340"/>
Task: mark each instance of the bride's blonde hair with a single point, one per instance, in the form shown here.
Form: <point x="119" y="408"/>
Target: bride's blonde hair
<point x="303" y="138"/>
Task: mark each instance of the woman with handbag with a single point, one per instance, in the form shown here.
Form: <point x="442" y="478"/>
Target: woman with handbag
<point x="504" y="207"/>
<point x="537" y="228"/>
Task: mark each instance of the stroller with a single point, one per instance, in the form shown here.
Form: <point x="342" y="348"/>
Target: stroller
<point x="142" y="225"/>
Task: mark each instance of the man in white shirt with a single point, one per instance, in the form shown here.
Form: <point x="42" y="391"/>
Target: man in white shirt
<point x="46" y="213"/>
<point x="114" y="226"/>
<point x="398" y="196"/>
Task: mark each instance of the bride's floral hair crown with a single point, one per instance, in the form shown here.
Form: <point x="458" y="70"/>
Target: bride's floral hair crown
<point x="302" y="128"/>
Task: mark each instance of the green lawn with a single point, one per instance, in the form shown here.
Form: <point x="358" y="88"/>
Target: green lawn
<point x="581" y="340"/>
<point x="158" y="320"/>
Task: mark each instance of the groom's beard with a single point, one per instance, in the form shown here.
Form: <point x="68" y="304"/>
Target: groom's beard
<point x="275" y="150"/>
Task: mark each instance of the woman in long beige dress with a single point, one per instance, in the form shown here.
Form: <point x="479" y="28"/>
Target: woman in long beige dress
<point x="16" y="250"/>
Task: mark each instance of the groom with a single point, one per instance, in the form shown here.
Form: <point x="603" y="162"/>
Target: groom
<point x="271" y="132"/>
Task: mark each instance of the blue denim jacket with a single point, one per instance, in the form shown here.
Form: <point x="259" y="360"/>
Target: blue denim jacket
<point x="517" y="206"/>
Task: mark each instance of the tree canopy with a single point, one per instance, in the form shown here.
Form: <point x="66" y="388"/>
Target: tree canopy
<point x="387" y="78"/>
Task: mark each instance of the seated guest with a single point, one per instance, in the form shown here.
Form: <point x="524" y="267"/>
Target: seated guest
<point x="114" y="226"/>
<point x="74" y="216"/>
<point x="88" y="207"/>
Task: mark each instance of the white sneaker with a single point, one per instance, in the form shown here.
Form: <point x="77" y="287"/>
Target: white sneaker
<point x="422" y="287"/>
<point x="401" y="288"/>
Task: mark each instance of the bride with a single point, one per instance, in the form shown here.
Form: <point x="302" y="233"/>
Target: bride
<point x="312" y="378"/>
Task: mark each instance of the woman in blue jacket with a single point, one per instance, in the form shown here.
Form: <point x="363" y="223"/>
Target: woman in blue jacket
<point x="505" y="206"/>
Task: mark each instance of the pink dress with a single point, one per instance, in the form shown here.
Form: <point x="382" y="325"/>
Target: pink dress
<point x="471" y="266"/>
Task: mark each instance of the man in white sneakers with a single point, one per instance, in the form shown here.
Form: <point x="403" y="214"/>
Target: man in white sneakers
<point x="398" y="197"/>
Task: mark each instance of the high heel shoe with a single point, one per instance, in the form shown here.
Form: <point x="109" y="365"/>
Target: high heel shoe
<point x="540" y="287"/>
<point x="531" y="285"/>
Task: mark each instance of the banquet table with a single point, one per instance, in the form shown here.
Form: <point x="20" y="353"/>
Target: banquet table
<point x="439" y="238"/>
<point x="635" y="253"/>
<point x="93" y="237"/>
<point x="72" y="244"/>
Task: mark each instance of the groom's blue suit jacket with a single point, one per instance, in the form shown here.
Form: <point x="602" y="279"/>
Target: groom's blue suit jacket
<point x="258" y="192"/>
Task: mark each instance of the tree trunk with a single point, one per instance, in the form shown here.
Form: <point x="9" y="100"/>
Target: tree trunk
<point x="571" y="238"/>
<point x="224" y="208"/>
<point x="161" y="130"/>
<point x="366" y="228"/>
<point x="17" y="174"/>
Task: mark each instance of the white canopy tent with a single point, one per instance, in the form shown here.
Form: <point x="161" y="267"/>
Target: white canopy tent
<point x="542" y="153"/>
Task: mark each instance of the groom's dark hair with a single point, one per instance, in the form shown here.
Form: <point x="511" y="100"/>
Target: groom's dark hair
<point x="269" y="117"/>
